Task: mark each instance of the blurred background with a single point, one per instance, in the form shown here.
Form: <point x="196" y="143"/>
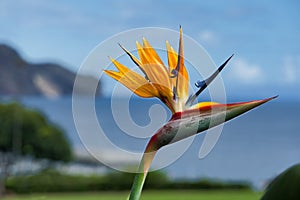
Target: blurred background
<point x="43" y="43"/>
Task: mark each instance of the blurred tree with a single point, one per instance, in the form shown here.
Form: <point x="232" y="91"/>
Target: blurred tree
<point x="27" y="132"/>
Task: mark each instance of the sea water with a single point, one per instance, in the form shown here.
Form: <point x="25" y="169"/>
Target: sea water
<point x="255" y="147"/>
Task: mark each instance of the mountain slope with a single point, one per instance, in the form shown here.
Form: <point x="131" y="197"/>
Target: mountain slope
<point x="18" y="77"/>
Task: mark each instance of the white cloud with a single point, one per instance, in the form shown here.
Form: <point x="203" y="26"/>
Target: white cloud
<point x="246" y="72"/>
<point x="290" y="70"/>
<point x="208" y="36"/>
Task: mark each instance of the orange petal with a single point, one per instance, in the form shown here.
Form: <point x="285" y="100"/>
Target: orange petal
<point x="172" y="62"/>
<point x="153" y="56"/>
<point x="122" y="68"/>
<point x="133" y="81"/>
<point x="183" y="76"/>
<point x="172" y="57"/>
<point x="154" y="69"/>
<point x="139" y="86"/>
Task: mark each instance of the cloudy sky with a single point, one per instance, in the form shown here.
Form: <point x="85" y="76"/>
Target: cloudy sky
<point x="264" y="35"/>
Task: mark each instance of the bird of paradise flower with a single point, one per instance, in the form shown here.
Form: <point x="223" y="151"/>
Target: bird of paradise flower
<point x="171" y="86"/>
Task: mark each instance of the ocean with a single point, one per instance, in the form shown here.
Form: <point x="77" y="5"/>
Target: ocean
<point x="255" y="147"/>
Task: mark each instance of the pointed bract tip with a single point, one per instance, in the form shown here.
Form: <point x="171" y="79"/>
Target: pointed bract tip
<point x="180" y="32"/>
<point x="121" y="45"/>
<point x="268" y="99"/>
<point x="144" y="41"/>
<point x="228" y="59"/>
<point x="274" y="97"/>
<point x="138" y="44"/>
<point x="123" y="48"/>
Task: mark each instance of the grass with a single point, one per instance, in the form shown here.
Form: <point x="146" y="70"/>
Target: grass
<point x="147" y="195"/>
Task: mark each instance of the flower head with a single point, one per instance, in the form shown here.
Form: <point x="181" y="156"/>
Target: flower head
<point x="171" y="85"/>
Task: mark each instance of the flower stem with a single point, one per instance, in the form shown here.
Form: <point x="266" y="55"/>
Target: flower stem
<point x="140" y="177"/>
<point x="137" y="186"/>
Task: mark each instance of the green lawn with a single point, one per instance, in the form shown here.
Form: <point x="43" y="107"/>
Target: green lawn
<point x="147" y="195"/>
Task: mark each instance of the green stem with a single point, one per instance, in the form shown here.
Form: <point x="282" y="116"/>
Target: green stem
<point x="137" y="186"/>
<point x="140" y="177"/>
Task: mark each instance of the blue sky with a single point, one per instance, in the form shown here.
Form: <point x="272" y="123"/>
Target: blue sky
<point x="264" y="35"/>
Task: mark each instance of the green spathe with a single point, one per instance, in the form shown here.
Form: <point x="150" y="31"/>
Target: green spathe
<point x="196" y="121"/>
<point x="184" y="125"/>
